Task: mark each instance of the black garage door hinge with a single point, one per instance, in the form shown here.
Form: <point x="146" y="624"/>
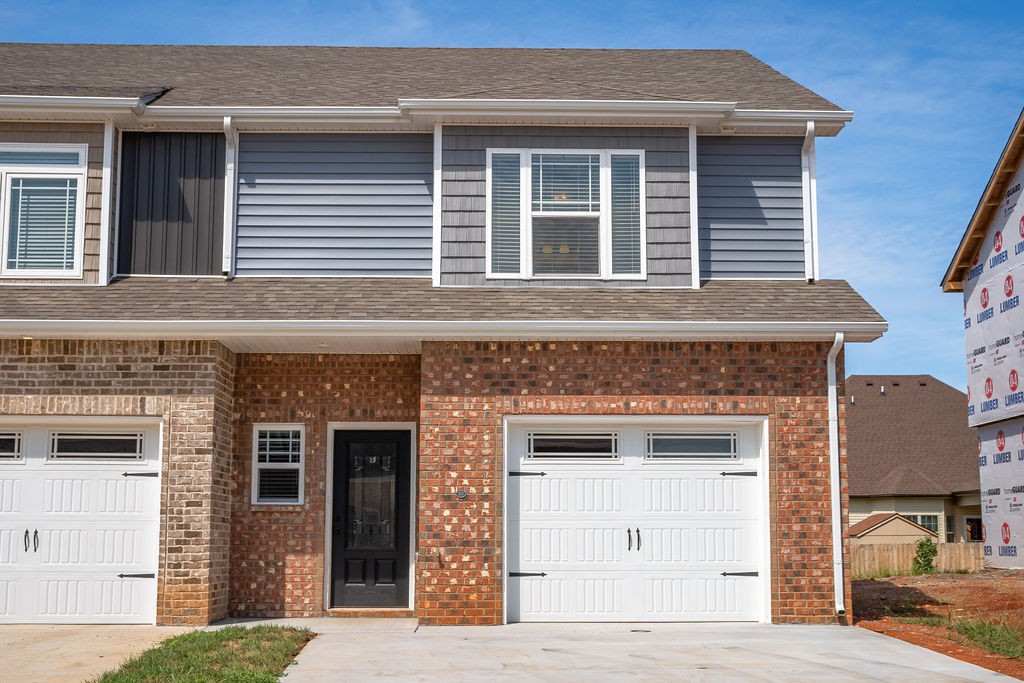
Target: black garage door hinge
<point x="136" y="576"/>
<point x="140" y="474"/>
<point x="527" y="474"/>
<point x="518" y="574"/>
<point x="750" y="473"/>
<point x="739" y="573"/>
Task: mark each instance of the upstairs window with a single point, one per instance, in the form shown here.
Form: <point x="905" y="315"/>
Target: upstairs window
<point x="43" y="209"/>
<point x="558" y="213"/>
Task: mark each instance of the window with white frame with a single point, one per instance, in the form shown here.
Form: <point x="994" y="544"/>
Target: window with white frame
<point x="278" y="460"/>
<point x="566" y="213"/>
<point x="10" y="446"/>
<point x="43" y="209"/>
<point x="691" y="445"/>
<point x="570" y="446"/>
<point x="97" y="446"/>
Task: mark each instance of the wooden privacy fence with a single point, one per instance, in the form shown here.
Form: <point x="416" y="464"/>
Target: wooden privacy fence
<point x="898" y="558"/>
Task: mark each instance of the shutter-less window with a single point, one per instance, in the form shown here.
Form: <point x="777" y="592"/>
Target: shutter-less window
<point x="10" y="446"/>
<point x="506" y="221"/>
<point x="625" y="214"/>
<point x="35" y="158"/>
<point x="90" y="446"/>
<point x="671" y="446"/>
<point x="566" y="182"/>
<point x="278" y="466"/>
<point x="558" y="446"/>
<point x="566" y="246"/>
<point x="41" y="232"/>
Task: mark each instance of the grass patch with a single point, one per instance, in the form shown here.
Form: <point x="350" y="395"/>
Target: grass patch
<point x="924" y="621"/>
<point x="233" y="654"/>
<point x="1001" y="639"/>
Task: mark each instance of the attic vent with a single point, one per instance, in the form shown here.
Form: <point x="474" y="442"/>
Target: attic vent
<point x="870" y="384"/>
<point x="923" y="384"/>
<point x="895" y="384"/>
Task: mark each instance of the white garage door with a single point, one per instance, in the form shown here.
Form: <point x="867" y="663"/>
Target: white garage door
<point x="79" y="511"/>
<point x="630" y="522"/>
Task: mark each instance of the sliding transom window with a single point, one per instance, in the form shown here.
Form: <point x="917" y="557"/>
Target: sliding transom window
<point x="42" y="207"/>
<point x="565" y="213"/>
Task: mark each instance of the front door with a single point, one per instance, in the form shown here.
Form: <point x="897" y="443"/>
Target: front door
<point x="370" y="519"/>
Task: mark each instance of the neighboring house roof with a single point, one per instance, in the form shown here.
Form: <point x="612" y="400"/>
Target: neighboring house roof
<point x="744" y="304"/>
<point x="991" y="198"/>
<point x="874" y="522"/>
<point x="239" y="76"/>
<point x="911" y="440"/>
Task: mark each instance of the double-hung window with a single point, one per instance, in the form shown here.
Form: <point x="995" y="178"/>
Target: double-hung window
<point x="42" y="206"/>
<point x="566" y="214"/>
<point x="278" y="461"/>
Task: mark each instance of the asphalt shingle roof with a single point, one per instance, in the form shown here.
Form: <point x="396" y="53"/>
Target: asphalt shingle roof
<point x="913" y="440"/>
<point x="414" y="299"/>
<point x="221" y="75"/>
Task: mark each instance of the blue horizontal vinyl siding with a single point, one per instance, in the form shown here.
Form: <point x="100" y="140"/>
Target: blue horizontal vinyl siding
<point x="334" y="204"/>
<point x="750" y="203"/>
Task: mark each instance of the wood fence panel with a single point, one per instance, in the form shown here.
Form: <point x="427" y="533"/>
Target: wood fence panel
<point x="898" y="558"/>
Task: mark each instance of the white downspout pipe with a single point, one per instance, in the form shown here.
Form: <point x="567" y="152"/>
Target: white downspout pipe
<point x="833" y="467"/>
<point x="809" y="187"/>
<point x="230" y="186"/>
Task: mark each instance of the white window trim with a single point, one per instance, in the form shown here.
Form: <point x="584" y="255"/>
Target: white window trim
<point x="79" y="172"/>
<point x="18" y="458"/>
<point x="257" y="466"/>
<point x="650" y="435"/>
<point x="52" y="435"/>
<point x="526" y="215"/>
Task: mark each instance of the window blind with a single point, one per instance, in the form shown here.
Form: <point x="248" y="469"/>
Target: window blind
<point x="42" y="223"/>
<point x="566" y="182"/>
<point x="505" y="213"/>
<point x="625" y="171"/>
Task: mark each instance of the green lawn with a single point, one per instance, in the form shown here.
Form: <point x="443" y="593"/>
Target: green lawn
<point x="234" y="654"/>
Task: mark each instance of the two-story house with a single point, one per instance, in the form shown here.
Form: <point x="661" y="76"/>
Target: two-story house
<point x="475" y="335"/>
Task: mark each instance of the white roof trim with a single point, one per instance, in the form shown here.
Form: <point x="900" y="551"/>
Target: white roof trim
<point x="451" y="329"/>
<point x="92" y="105"/>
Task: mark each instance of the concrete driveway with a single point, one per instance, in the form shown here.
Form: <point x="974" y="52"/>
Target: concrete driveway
<point x="367" y="649"/>
<point x="43" y="653"/>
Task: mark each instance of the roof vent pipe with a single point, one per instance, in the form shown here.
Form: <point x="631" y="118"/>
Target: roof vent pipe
<point x="882" y="389"/>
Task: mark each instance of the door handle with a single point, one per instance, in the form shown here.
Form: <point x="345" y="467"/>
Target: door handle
<point x="26" y="540"/>
<point x="629" y="533"/>
<point x="35" y="541"/>
<point x="638" y="538"/>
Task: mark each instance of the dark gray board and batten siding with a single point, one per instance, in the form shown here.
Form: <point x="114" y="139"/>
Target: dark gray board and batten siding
<point x="750" y="207"/>
<point x="335" y="204"/>
<point x="171" y="211"/>
<point x="463" y="204"/>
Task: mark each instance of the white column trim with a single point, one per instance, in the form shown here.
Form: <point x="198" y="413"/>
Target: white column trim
<point x="106" y="191"/>
<point x="435" y="244"/>
<point x="694" y="217"/>
<point x="230" y="193"/>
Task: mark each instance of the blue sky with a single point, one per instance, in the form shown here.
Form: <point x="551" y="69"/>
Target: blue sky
<point x="935" y="87"/>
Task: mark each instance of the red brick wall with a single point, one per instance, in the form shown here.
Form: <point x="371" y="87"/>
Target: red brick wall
<point x="277" y="552"/>
<point x="467" y="388"/>
<point x="186" y="384"/>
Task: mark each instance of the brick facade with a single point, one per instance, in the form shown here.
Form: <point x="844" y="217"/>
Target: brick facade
<point x="277" y="551"/>
<point x="220" y="554"/>
<point x="468" y="387"/>
<point x="187" y="385"/>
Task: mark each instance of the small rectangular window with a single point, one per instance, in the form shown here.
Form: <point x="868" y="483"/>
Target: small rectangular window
<point x="72" y="446"/>
<point x="567" y="446"/>
<point x="672" y="446"/>
<point x="38" y="158"/>
<point x="929" y="522"/>
<point x="950" y="529"/>
<point x="10" y="446"/>
<point x="278" y="460"/>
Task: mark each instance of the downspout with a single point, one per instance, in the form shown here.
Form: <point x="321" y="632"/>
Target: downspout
<point x="809" y="186"/>
<point x="839" y="579"/>
<point x="230" y="186"/>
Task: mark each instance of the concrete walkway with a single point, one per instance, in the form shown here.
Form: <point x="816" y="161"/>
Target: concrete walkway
<point x="386" y="649"/>
<point x="44" y="653"/>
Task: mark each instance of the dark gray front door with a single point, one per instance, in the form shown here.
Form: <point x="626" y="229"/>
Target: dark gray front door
<point x="370" y="519"/>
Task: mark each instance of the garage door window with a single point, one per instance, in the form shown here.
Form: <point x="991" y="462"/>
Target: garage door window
<point x="10" y="446"/>
<point x="556" y="446"/>
<point x="78" y="446"/>
<point x="677" y="446"/>
<point x="277" y="464"/>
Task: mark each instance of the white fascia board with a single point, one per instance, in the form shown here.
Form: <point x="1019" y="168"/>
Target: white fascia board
<point x="448" y="329"/>
<point x="828" y="123"/>
<point x="602" y="108"/>
<point x="242" y="116"/>
<point x="42" y="104"/>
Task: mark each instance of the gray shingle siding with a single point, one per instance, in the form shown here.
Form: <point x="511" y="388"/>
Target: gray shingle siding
<point x="463" y="210"/>
<point x="750" y="207"/>
<point x="335" y="204"/>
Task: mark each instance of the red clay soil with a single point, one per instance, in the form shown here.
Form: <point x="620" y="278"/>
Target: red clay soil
<point x="995" y="595"/>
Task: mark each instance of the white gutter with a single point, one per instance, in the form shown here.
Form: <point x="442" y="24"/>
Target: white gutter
<point x="91" y="105"/>
<point x="243" y="115"/>
<point x="833" y="467"/>
<point x="106" y="191"/>
<point x="449" y="329"/>
<point x="230" y="186"/>
<point x="809" y="189"/>
<point x="604" y="108"/>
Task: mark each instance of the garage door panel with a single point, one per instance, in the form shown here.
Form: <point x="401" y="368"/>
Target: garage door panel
<point x="10" y="495"/>
<point x="8" y="598"/>
<point x="688" y="521"/>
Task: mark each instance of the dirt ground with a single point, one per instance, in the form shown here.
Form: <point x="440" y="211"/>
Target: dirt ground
<point x="992" y="595"/>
